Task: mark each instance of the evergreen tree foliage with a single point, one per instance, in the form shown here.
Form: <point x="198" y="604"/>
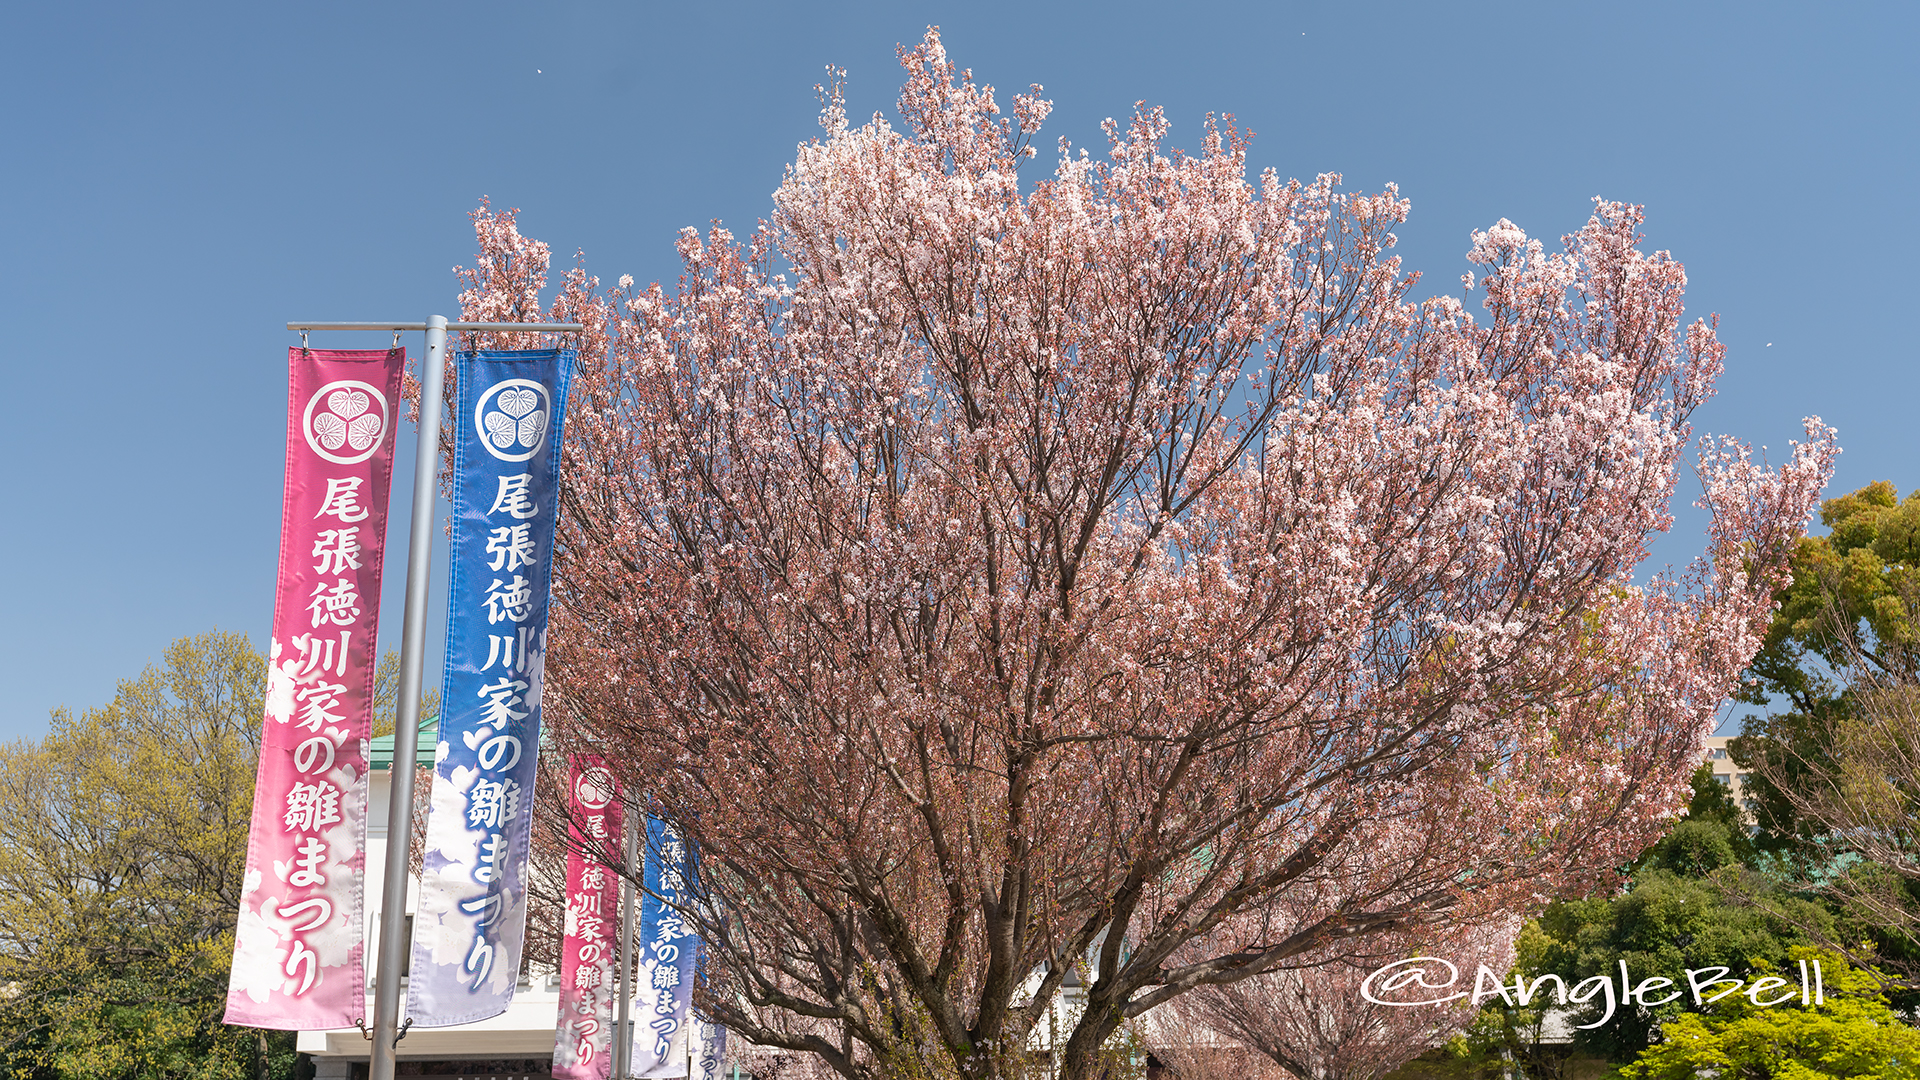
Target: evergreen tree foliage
<point x="1836" y="773"/>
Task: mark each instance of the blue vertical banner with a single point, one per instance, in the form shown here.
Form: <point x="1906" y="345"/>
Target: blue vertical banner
<point x="713" y="1051"/>
<point x="472" y="913"/>
<point x="669" y="951"/>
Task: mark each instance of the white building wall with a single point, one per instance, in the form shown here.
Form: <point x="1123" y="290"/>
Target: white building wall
<point x="1729" y="773"/>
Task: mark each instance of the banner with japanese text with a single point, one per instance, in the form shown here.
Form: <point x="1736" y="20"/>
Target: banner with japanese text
<point x="713" y="1050"/>
<point x="708" y="1057"/>
<point x="583" y="1037"/>
<point x="669" y="952"/>
<point x="298" y="950"/>
<point x="472" y="912"/>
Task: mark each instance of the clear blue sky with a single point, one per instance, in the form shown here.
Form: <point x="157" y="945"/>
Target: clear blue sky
<point x="179" y="181"/>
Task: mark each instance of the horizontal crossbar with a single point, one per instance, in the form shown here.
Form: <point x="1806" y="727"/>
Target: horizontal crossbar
<point x="527" y="327"/>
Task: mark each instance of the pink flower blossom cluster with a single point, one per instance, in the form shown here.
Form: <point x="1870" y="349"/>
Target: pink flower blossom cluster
<point x="1001" y="575"/>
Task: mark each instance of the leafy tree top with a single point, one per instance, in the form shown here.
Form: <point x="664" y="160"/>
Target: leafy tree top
<point x="1854" y="1034"/>
<point x="1851" y="600"/>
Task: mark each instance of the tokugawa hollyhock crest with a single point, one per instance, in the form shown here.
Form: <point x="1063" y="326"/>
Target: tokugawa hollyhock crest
<point x="1001" y="575"/>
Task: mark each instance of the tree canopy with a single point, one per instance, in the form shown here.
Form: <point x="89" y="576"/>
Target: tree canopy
<point x="1673" y="917"/>
<point x="1854" y="1034"/>
<point x="1847" y="615"/>
<point x="995" y="574"/>
<point x="123" y="837"/>
<point x="1836" y="773"/>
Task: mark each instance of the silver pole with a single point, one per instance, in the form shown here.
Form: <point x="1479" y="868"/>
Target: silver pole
<point x="406" y="732"/>
<point x="622" y="1033"/>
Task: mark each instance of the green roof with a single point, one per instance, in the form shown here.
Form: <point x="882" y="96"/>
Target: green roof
<point x="380" y="750"/>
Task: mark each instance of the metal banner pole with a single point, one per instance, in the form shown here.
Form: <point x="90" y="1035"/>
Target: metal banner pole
<point x="406" y="731"/>
<point x="394" y="944"/>
<point x="622" y="1029"/>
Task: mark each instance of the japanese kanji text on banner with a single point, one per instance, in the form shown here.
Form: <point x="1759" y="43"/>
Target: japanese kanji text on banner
<point x="473" y="902"/>
<point x="669" y="952"/>
<point x="583" y="1037"/>
<point x="297" y="958"/>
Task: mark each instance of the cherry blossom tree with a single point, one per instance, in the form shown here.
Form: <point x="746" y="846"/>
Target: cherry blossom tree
<point x="1313" y="1020"/>
<point x="1001" y="575"/>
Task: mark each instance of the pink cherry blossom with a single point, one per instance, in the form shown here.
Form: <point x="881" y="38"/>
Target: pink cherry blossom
<point x="999" y="574"/>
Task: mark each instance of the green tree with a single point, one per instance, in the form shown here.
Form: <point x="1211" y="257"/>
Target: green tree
<point x="1665" y="925"/>
<point x="122" y="845"/>
<point x="1836" y="774"/>
<point x="1506" y="1043"/>
<point x="1698" y="898"/>
<point x="1673" y="915"/>
<point x="1847" y="617"/>
<point x="1855" y="1033"/>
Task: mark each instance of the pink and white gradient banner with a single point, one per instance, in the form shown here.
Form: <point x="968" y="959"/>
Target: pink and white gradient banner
<point x="298" y="954"/>
<point x="583" y="1039"/>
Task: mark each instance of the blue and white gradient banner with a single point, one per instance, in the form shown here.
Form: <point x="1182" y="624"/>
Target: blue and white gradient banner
<point x="713" y="1051"/>
<point x="472" y="913"/>
<point x="669" y="951"/>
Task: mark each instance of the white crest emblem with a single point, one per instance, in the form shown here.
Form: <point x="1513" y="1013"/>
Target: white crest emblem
<point x="511" y="418"/>
<point x="593" y="788"/>
<point x="345" y="421"/>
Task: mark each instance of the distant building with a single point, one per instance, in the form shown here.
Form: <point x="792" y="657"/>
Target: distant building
<point x="1730" y="774"/>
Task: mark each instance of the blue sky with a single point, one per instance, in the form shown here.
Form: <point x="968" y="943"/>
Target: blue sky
<point x="180" y="181"/>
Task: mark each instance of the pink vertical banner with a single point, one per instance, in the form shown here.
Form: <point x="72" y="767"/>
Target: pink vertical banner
<point x="298" y="953"/>
<point x="583" y="1039"/>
